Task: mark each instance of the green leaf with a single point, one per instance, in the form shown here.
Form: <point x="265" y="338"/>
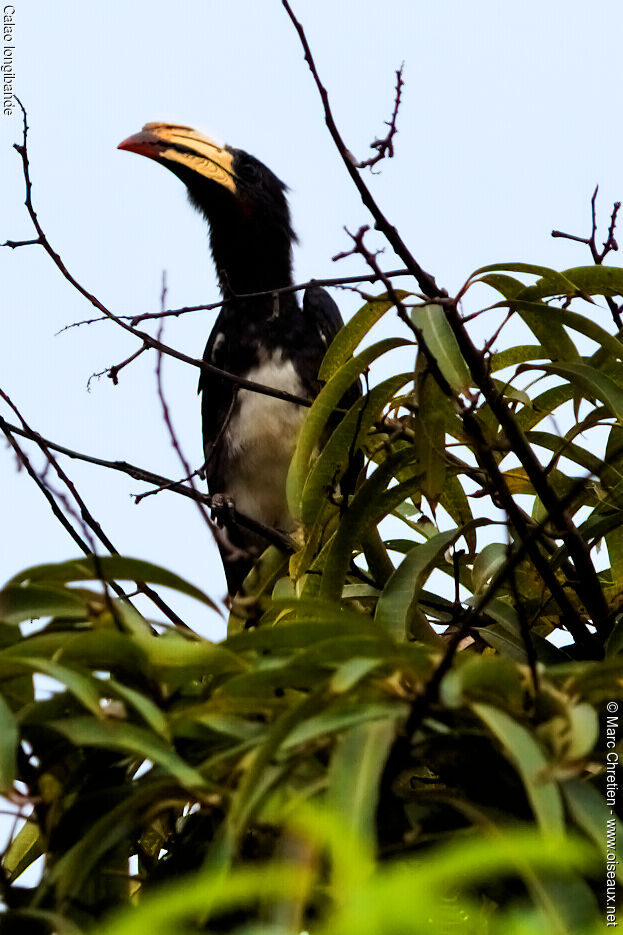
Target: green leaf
<point x="508" y="286"/>
<point x="130" y="739"/>
<point x="590" y="812"/>
<point x="354" y="331"/>
<point x="558" y="281"/>
<point x="590" y="380"/>
<point x="164" y="910"/>
<point x="321" y="410"/>
<point x="371" y="502"/>
<point x="355" y="773"/>
<point x="9" y="740"/>
<point x="344" y="716"/>
<point x="24" y="849"/>
<point x="172" y="655"/>
<point x="439" y="338"/>
<point x="429" y="426"/>
<point x="489" y="679"/>
<point x="454" y="500"/>
<point x="585" y="280"/>
<point x="114" y="568"/>
<point x="69" y="873"/>
<point x="534" y="311"/>
<point x="488" y="561"/>
<point x="516" y="355"/>
<point x="547" y="328"/>
<point x="543" y="405"/>
<point x="84" y="686"/>
<point x="394" y="610"/>
<point x="525" y="752"/>
<point x="100" y="649"/>
<point x="347" y="437"/>
<point x="153" y="716"/>
<point x="21" y="602"/>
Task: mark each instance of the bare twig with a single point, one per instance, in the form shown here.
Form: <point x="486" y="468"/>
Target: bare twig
<point x="599" y="256"/>
<point x="150" y="477"/>
<point x="87" y="520"/>
<point x="385" y="147"/>
<point x="113" y="372"/>
<point x="169" y="424"/>
<point x="425" y="281"/>
<point x="283" y="290"/>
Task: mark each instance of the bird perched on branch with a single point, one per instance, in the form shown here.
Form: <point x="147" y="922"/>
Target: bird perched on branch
<point x="248" y="437"/>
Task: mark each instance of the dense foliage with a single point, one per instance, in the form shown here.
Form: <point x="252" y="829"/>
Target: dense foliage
<point x="387" y="741"/>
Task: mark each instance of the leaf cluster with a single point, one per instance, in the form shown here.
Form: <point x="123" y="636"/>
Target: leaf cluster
<point x="386" y="741"/>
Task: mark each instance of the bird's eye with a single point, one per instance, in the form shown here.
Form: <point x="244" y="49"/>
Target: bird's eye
<point x="248" y="172"/>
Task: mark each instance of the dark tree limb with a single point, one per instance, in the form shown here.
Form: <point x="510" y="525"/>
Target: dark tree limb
<point x="272" y="535"/>
<point x="90" y="524"/>
<point x="598" y="255"/>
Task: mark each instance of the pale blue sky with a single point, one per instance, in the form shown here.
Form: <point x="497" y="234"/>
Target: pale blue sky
<point x="511" y="114"/>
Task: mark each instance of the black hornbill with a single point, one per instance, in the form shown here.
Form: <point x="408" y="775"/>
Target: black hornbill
<point x="248" y="438"/>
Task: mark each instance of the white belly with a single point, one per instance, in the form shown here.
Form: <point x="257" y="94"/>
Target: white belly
<point x="261" y="437"/>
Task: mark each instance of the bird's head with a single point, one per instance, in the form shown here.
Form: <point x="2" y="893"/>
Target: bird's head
<point x="244" y="202"/>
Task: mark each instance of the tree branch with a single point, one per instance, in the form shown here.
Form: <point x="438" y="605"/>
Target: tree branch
<point x="425" y="281"/>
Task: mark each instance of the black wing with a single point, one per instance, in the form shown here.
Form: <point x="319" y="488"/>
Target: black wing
<point x="319" y="307"/>
<point x="217" y="400"/>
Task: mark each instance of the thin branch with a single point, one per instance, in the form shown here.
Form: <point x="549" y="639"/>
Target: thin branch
<point x="113" y="372"/>
<point x="425" y="281"/>
<point x="90" y="523"/>
<point x="283" y="290"/>
<point x="385" y="147"/>
<point x="275" y="536"/>
<point x="599" y="256"/>
<point x="169" y="424"/>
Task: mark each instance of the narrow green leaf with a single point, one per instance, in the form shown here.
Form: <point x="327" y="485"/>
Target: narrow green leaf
<point x="516" y="355"/>
<point x="114" y="568"/>
<point x="344" y="716"/>
<point x="433" y="324"/>
<point x="429" y="428"/>
<point x="508" y="286"/>
<point x="9" y="740"/>
<point x="19" y="603"/>
<point x="354" y="331"/>
<point x="355" y="773"/>
<point x="487" y="562"/>
<point x="524" y="751"/>
<point x="69" y="873"/>
<point x="172" y="655"/>
<point x="586" y="280"/>
<point x="369" y="505"/>
<point x="24" y="849"/>
<point x="590" y="380"/>
<point x="84" y="686"/>
<point x="543" y="405"/>
<point x="346" y="438"/>
<point x="153" y="716"/>
<point x="136" y="741"/>
<point x="591" y="813"/>
<point x="321" y="411"/>
<point x="564" y="286"/>
<point x="394" y="610"/>
<point x="454" y="500"/>
<point x="564" y="316"/>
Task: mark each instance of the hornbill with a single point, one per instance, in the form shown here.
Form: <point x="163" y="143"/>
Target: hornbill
<point x="248" y="438"/>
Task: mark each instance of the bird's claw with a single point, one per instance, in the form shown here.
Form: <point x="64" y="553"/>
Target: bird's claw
<point x="223" y="509"/>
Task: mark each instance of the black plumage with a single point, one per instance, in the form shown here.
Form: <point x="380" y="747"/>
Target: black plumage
<point x="248" y="437"/>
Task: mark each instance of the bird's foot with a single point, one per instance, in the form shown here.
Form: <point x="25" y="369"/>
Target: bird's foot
<point x="223" y="509"/>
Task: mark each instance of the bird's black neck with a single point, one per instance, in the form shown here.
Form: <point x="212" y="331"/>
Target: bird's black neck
<point x="248" y="260"/>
